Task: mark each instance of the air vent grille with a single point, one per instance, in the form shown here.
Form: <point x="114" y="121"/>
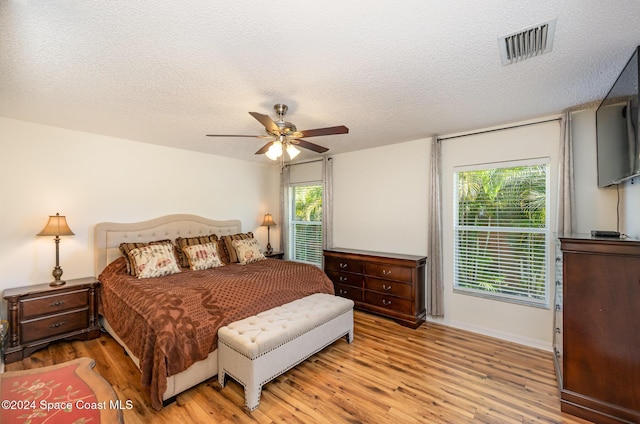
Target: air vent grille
<point x="527" y="43"/>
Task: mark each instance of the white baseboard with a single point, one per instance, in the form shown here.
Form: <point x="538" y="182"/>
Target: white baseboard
<point x="509" y="337"/>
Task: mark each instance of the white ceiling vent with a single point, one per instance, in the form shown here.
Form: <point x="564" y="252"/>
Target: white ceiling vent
<point x="527" y="43"/>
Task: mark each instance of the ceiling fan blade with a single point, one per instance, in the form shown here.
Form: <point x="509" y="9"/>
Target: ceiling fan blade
<point x="233" y="135"/>
<point x="264" y="148"/>
<point x="307" y="145"/>
<point x="268" y="123"/>
<point x="325" y="131"/>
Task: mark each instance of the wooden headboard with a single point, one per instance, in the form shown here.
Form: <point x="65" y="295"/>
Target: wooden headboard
<point x="109" y="235"/>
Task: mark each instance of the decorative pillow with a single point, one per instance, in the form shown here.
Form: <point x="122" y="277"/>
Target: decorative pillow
<point x="228" y="244"/>
<point x="125" y="248"/>
<point x="248" y="251"/>
<point x="155" y="260"/>
<point x="202" y="256"/>
<point x="222" y="252"/>
<point x="182" y="242"/>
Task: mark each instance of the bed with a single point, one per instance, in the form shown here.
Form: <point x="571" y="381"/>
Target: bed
<point x="168" y="324"/>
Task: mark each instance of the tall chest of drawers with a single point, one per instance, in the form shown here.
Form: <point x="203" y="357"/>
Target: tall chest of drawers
<point x="597" y="330"/>
<point x="41" y="314"/>
<point x="388" y="284"/>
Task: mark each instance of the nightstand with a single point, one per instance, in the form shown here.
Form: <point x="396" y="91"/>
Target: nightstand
<point x="41" y="314"/>
<point x="274" y="255"/>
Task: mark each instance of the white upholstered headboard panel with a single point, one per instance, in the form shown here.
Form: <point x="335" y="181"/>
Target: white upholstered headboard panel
<point x="109" y="235"/>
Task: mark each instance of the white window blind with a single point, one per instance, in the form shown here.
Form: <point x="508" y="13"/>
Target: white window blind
<point x="501" y="232"/>
<point x="305" y="235"/>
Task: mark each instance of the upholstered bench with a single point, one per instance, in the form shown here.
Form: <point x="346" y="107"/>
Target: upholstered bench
<point x="255" y="350"/>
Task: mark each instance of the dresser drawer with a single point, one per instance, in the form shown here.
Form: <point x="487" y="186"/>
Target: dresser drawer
<point x="349" y="292"/>
<point x="388" y="302"/>
<point x="389" y="272"/>
<point x="394" y="288"/>
<point x="46" y="305"/>
<point x="343" y="264"/>
<point x="345" y="278"/>
<point x="54" y="325"/>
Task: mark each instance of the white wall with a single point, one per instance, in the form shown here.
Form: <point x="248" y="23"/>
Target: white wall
<point x="380" y="198"/>
<point x="92" y="178"/>
<point x="595" y="207"/>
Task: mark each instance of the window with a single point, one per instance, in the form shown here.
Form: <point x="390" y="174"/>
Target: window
<point x="305" y="230"/>
<point x="501" y="232"/>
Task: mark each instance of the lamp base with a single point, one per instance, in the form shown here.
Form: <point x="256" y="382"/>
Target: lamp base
<point x="57" y="273"/>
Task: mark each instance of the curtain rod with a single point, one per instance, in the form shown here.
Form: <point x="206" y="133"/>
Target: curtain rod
<point x="498" y="129"/>
<point x="309" y="161"/>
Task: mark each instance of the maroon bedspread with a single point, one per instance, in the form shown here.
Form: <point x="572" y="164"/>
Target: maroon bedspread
<point x="171" y="322"/>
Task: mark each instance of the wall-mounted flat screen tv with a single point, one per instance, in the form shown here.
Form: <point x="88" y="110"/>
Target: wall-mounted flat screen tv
<point x="618" y="141"/>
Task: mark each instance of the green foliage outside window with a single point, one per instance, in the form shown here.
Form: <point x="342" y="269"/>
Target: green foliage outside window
<point x="501" y="232"/>
<point x="306" y="228"/>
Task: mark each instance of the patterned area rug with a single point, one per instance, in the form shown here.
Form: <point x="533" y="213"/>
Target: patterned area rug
<point x="70" y="392"/>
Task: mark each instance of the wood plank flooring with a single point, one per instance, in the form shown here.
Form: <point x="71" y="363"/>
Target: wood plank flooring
<point x="389" y="374"/>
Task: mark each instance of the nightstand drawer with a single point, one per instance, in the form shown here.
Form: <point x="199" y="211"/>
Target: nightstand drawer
<point x="52" y="304"/>
<point x="54" y="325"/>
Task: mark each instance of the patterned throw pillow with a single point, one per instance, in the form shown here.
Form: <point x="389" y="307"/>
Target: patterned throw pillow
<point x="248" y="251"/>
<point x="155" y="260"/>
<point x="228" y="244"/>
<point x="202" y="256"/>
<point x="182" y="242"/>
<point x="125" y="248"/>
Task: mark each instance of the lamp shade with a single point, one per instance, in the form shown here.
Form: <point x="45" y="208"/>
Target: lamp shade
<point x="268" y="221"/>
<point x="56" y="226"/>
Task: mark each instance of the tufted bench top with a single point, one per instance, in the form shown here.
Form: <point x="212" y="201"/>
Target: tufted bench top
<point x="258" y="334"/>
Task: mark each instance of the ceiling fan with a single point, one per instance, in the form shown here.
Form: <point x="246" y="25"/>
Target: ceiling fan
<point x="285" y="136"/>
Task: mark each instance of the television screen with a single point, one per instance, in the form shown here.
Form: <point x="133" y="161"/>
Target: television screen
<point x="618" y="142"/>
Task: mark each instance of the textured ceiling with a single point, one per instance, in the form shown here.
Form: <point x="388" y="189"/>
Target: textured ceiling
<point x="169" y="72"/>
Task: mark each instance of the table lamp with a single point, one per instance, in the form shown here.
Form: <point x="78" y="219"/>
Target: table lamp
<point x="57" y="226"/>
<point x="268" y="222"/>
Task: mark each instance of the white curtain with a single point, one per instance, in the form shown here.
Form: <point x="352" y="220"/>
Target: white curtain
<point x="284" y="211"/>
<point x="435" y="286"/>
<point x="327" y="203"/>
<point x="566" y="192"/>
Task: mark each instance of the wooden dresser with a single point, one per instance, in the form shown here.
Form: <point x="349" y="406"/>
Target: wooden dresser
<point x="41" y="314"/>
<point x="392" y="285"/>
<point x="597" y="328"/>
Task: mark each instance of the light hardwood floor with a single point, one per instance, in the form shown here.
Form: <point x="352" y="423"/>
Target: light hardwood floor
<point x="389" y="374"/>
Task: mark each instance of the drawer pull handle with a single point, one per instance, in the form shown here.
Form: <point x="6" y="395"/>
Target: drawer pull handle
<point x="386" y="302"/>
<point x="343" y="278"/>
<point x="57" y="303"/>
<point x="57" y="324"/>
<point x="343" y="291"/>
<point x="342" y="265"/>
<point x="385" y="272"/>
<point x="385" y="287"/>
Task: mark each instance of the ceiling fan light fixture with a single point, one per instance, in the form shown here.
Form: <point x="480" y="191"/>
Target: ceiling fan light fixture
<point x="292" y="151"/>
<point x="275" y="150"/>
